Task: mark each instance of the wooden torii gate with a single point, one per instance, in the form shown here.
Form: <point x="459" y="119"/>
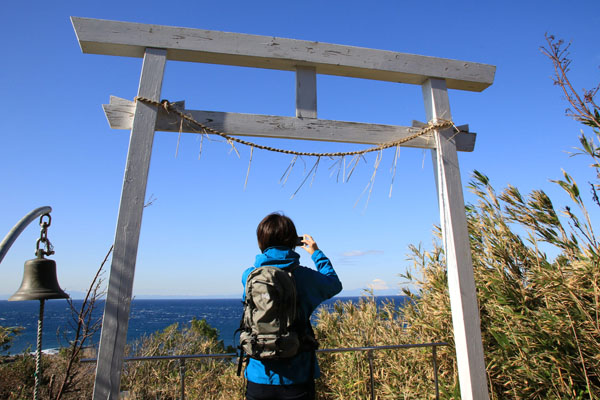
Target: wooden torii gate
<point x="157" y="44"/>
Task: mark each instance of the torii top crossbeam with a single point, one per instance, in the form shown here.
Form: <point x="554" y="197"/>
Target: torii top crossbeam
<point x="157" y="44"/>
<point x="196" y="45"/>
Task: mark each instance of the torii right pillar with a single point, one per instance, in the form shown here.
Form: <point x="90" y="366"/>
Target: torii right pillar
<point x="461" y="282"/>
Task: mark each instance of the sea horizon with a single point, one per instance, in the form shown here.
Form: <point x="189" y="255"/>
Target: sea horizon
<point x="146" y="317"/>
<point x="79" y="295"/>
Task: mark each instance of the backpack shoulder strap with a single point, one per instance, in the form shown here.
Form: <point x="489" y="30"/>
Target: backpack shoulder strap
<point x="291" y="268"/>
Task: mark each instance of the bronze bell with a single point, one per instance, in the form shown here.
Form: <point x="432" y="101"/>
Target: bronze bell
<point x="39" y="281"/>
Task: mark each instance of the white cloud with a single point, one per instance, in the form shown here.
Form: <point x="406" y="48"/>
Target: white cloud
<point x="352" y="257"/>
<point x="360" y="253"/>
<point x="378" y="284"/>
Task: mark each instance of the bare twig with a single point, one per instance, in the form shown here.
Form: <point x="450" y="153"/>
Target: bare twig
<point x="86" y="327"/>
<point x="582" y="108"/>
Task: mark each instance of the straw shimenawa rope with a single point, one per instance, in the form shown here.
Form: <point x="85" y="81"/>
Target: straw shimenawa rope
<point x="169" y="107"/>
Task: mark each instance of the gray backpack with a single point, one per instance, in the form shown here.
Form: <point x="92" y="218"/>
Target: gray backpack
<point x="269" y="320"/>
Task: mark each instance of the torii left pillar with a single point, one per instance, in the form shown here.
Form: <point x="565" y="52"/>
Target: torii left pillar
<point x="129" y="222"/>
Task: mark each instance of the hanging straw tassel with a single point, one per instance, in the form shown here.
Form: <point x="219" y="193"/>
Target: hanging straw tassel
<point x="249" y="163"/>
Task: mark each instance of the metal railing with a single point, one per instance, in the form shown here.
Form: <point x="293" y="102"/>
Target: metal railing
<point x="368" y="349"/>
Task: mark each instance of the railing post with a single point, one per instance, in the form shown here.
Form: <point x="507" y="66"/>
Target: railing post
<point x="435" y="372"/>
<point x="182" y="377"/>
<point x="370" y="355"/>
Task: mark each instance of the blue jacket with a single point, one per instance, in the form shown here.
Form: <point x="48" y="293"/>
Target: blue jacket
<point x="313" y="287"/>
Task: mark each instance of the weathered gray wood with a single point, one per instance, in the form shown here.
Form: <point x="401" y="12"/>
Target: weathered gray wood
<point x="120" y="285"/>
<point x="119" y="116"/>
<point x="197" y="45"/>
<point x="306" y="92"/>
<point x="461" y="283"/>
<point x="124" y="102"/>
<point x="119" y="113"/>
<point x="461" y="128"/>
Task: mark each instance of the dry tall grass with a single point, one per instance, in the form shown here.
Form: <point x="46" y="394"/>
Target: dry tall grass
<point x="539" y="314"/>
<point x="398" y="374"/>
<point x="204" y="379"/>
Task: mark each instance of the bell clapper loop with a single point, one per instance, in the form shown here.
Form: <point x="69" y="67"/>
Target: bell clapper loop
<point x="44" y="238"/>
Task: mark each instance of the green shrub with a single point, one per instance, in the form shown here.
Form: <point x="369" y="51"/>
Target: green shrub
<point x="7" y="334"/>
<point x="17" y="376"/>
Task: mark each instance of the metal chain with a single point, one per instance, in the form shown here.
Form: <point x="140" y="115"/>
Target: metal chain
<point x="44" y="238"/>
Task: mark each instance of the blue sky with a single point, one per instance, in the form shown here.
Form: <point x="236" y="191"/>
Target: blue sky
<point x="56" y="147"/>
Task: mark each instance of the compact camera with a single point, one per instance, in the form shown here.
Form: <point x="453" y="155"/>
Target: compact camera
<point x="299" y="240"/>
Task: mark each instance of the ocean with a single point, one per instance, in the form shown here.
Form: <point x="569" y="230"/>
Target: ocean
<point x="147" y="317"/>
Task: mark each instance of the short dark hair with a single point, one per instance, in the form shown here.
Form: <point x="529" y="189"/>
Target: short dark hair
<point x="276" y="230"/>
